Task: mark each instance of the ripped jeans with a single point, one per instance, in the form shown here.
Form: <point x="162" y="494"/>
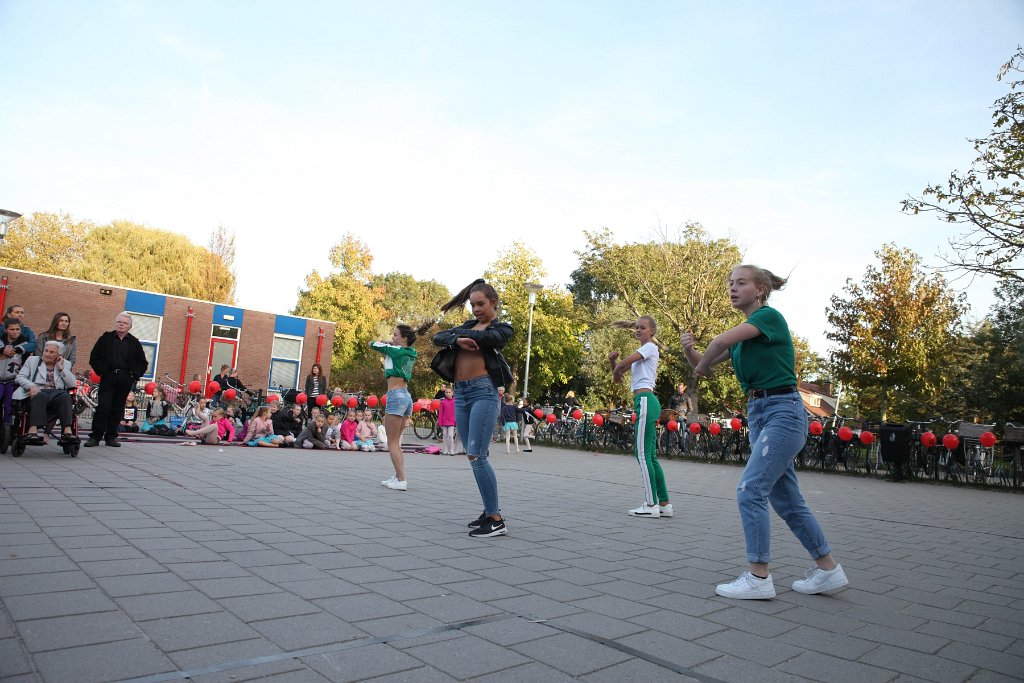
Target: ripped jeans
<point x="778" y="429"/>
<point x="476" y="412"/>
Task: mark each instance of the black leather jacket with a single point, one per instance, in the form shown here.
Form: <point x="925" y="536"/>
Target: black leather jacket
<point x="490" y="341"/>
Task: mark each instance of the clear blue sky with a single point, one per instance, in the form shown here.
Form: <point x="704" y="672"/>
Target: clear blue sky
<point x="439" y="132"/>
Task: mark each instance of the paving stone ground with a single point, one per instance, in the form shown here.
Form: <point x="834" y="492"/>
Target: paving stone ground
<point x="158" y="562"/>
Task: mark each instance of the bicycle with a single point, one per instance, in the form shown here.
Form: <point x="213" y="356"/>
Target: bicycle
<point x="978" y="458"/>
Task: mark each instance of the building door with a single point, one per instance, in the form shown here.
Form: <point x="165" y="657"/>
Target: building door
<point x="222" y="352"/>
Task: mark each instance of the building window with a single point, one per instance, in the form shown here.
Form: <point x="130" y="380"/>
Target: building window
<point x="147" y="329"/>
<point x="285" y="359"/>
<point x="815" y="401"/>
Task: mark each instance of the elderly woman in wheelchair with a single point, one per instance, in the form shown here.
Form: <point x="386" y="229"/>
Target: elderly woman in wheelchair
<point x="45" y="381"/>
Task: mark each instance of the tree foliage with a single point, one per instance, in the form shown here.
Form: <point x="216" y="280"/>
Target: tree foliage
<point x="895" y="334"/>
<point x="678" y="279"/>
<point x="557" y="340"/>
<point x="123" y="254"/>
<point x="987" y="199"/>
<point x="345" y="297"/>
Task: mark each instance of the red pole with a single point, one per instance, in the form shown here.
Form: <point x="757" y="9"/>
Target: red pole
<point x="319" y="340"/>
<point x="188" y="337"/>
<point x="3" y="292"/>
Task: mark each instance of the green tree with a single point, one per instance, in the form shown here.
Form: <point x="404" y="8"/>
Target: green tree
<point x="216" y="270"/>
<point x="557" y="344"/>
<point x="131" y="255"/>
<point x="51" y="243"/>
<point x="988" y="199"/>
<point x="993" y="378"/>
<point x="809" y="365"/>
<point x="895" y="333"/>
<point x="678" y="279"/>
<point x="345" y="297"/>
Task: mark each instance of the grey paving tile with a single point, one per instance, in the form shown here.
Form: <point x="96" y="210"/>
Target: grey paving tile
<point x="639" y="670"/>
<point x="1000" y="662"/>
<point x="526" y="673"/>
<point x="182" y="633"/>
<point x="100" y="663"/>
<point x="736" y="670"/>
<point x="64" y="603"/>
<point x="321" y="588"/>
<point x="571" y="654"/>
<point x="925" y="666"/>
<point x="359" y="664"/>
<point x="166" y="605"/>
<point x="452" y="608"/>
<point x="13" y="659"/>
<point x="58" y="633"/>
<point x="141" y="584"/>
<point x="816" y="666"/>
<point x="467" y="657"/>
<point x="207" y="570"/>
<point x="234" y="587"/>
<point x="355" y="608"/>
<point x="307" y="630"/>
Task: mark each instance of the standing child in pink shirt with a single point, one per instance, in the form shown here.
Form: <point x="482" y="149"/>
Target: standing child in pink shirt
<point x="446" y="420"/>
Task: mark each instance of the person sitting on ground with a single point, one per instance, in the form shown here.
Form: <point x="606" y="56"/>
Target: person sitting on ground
<point x="365" y="431"/>
<point x="46" y="379"/>
<point x="220" y="428"/>
<point x="130" y="422"/>
<point x="332" y="435"/>
<point x="288" y="422"/>
<point x="348" y="432"/>
<point x="60" y="330"/>
<point x="12" y="340"/>
<point x="203" y="410"/>
<point x="156" y="411"/>
<point x="313" y="435"/>
<point x="261" y="430"/>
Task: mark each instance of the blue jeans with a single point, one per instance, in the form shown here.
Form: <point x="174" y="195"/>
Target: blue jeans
<point x="476" y="413"/>
<point x="778" y="429"/>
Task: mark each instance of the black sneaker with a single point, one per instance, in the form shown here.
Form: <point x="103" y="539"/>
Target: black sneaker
<point x="91" y="443"/>
<point x="478" y="521"/>
<point x="490" y="528"/>
<point x="114" y="443"/>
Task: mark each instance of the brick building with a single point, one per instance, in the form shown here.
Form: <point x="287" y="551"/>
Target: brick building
<point x="269" y="350"/>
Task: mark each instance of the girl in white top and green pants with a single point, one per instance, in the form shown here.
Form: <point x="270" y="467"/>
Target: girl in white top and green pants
<point x="643" y="371"/>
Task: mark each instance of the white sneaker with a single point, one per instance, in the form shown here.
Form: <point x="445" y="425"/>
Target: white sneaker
<point x="387" y="482"/>
<point x="748" y="587"/>
<point x="665" y="510"/>
<point x="646" y="510"/>
<point x="818" y="580"/>
<point x="396" y="485"/>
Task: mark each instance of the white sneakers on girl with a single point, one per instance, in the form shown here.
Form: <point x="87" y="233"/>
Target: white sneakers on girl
<point x="748" y="587"/>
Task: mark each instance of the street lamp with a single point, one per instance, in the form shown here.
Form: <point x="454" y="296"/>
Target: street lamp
<point x="532" y="288"/>
<point x="5" y="218"/>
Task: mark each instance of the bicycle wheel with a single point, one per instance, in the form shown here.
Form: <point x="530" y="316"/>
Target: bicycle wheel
<point x="423" y="423"/>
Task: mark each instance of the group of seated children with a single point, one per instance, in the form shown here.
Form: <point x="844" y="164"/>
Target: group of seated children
<point x="355" y="432"/>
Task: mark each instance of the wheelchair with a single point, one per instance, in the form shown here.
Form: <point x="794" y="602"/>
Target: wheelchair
<point x="17" y="438"/>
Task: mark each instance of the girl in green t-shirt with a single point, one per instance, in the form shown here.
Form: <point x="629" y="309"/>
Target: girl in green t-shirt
<point x="761" y="350"/>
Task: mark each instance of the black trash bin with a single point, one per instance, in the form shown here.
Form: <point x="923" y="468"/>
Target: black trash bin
<point x="893" y="439"/>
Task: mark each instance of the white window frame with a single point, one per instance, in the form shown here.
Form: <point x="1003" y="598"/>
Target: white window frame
<point x="155" y="343"/>
<point x="281" y="359"/>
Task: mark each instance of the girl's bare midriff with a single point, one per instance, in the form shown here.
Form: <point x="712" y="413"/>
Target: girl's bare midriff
<point x="469" y="365"/>
<point x="396" y="383"/>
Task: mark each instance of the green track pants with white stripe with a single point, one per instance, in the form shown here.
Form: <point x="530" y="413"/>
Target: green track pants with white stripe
<point x="648" y="410"/>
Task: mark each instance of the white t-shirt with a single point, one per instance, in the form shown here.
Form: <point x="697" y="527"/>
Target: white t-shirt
<point x="644" y="371"/>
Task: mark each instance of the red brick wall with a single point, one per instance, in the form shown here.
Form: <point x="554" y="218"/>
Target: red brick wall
<point x="92" y="313"/>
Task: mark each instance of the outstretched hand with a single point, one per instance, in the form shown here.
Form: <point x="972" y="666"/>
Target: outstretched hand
<point x="687" y="340"/>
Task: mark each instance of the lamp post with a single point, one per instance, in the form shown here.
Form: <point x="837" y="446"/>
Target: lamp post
<point x="532" y="288"/>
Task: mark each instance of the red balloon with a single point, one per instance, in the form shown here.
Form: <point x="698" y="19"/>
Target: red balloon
<point x="417" y="407"/>
<point x="598" y="419"/>
<point x="273" y="398"/>
<point x="229" y="394"/>
<point x="845" y="433"/>
<point x="371" y="401"/>
<point x="867" y="438"/>
<point x="988" y="439"/>
<point x="551" y="418"/>
<point x="301" y="399"/>
<point x="815" y="428"/>
<point x="321" y="400"/>
<point x="538" y="413"/>
<point x="352" y="402"/>
<point x="715" y="428"/>
<point x="336" y="401"/>
<point x="149" y="388"/>
<point x="212" y="388"/>
<point x="435" y="405"/>
<point x="928" y="439"/>
<point x="195" y="386"/>
<point x="950" y="441"/>
<point x="633" y="418"/>
<point x="383" y="399"/>
<point x="93" y="377"/>
<point x="736" y="423"/>
<point x="672" y="426"/>
<point x="577" y="414"/>
<point x="695" y="428"/>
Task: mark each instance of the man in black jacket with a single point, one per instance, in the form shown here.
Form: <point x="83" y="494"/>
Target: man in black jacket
<point x="119" y="359"/>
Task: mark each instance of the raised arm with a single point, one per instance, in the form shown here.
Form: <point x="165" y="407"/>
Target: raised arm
<point x="718" y="349"/>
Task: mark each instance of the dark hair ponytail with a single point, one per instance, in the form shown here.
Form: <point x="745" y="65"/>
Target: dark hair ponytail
<point x="479" y="285"/>
<point x="410" y="333"/>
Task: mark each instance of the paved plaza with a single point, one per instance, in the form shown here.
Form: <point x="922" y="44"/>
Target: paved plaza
<point x="159" y="562"/>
